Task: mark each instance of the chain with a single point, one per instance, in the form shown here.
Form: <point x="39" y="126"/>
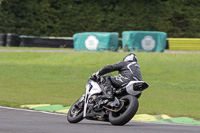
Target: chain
<point x="113" y="109"/>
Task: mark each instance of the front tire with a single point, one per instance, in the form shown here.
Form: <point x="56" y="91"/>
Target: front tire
<point x="123" y="116"/>
<point x="75" y="113"/>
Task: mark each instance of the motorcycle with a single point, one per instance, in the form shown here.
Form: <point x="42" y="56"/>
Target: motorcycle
<point x="118" y="111"/>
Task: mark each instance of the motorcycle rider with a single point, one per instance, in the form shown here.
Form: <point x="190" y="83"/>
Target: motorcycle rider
<point x="128" y="70"/>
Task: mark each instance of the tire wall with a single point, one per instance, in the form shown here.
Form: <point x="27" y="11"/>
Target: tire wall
<point x="46" y="42"/>
<point x="2" y="39"/>
<point x="12" y="40"/>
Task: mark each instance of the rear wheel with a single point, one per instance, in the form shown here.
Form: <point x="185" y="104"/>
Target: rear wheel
<point x="127" y="112"/>
<point x="75" y="113"/>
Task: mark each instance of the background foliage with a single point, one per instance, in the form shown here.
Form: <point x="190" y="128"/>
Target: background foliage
<point x="179" y="18"/>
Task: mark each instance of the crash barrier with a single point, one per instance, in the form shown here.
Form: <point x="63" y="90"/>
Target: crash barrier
<point x="149" y="41"/>
<point x="52" y="42"/>
<point x="96" y="41"/>
<point x="9" y="40"/>
<point x="109" y="41"/>
<point x="2" y="39"/>
<point x="13" y="40"/>
<point x="167" y="44"/>
<point x="184" y="43"/>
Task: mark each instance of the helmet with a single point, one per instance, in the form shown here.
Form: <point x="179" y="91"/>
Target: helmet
<point x="130" y="57"/>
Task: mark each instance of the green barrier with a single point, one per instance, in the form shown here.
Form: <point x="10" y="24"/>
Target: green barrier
<point x="149" y="41"/>
<point x="96" y="41"/>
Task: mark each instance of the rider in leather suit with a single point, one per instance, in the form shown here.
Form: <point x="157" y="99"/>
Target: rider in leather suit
<point x="128" y="70"/>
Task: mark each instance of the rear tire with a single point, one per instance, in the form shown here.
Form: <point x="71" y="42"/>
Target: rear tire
<point x="130" y="108"/>
<point x="75" y="113"/>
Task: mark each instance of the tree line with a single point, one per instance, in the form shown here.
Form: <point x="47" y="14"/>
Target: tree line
<point x="178" y="18"/>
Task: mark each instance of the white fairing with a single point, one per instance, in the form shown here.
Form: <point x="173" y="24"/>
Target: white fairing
<point x="91" y="89"/>
<point x="129" y="88"/>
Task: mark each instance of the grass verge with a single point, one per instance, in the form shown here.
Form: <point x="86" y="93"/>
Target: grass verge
<point x="60" y="78"/>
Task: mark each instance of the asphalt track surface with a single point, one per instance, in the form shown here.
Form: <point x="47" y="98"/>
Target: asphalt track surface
<point x="29" y="121"/>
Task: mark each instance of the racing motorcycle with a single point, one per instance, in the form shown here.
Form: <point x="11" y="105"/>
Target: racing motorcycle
<point x="118" y="111"/>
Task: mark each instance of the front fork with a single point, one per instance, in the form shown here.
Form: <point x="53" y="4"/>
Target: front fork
<point x="84" y="98"/>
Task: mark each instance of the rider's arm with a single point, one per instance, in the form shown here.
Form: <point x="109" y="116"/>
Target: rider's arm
<point x="111" y="68"/>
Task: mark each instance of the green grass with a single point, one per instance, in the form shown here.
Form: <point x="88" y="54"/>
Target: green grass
<point x="60" y="78"/>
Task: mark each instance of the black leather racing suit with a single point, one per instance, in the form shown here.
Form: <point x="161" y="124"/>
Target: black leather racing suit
<point x="128" y="71"/>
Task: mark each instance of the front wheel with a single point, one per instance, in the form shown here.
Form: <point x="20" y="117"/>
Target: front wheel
<point x="75" y="113"/>
<point x="127" y="112"/>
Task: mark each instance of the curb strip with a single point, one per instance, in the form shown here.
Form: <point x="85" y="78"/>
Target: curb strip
<point x="138" y="117"/>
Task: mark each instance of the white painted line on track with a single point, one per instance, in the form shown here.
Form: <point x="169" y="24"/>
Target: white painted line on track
<point x="28" y="110"/>
<point x="51" y="113"/>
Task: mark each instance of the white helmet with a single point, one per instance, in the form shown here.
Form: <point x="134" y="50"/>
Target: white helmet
<point x="130" y="57"/>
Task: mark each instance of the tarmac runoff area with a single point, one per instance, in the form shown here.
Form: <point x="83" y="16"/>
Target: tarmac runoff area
<point x="139" y="117"/>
